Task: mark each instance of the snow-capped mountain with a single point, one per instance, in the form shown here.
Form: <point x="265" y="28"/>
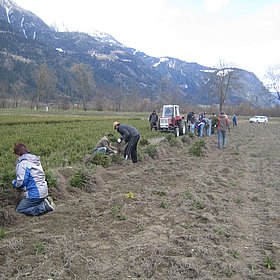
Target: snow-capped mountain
<point x="118" y="70"/>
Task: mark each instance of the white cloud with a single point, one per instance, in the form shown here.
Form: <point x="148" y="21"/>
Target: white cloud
<point x="215" y="5"/>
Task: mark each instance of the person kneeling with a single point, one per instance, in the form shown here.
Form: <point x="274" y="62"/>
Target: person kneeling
<point x="30" y="179"/>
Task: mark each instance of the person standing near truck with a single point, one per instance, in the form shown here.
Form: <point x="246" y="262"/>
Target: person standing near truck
<point x="131" y="136"/>
<point x="153" y="119"/>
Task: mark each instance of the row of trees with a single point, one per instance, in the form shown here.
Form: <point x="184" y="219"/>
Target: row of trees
<point x="82" y="84"/>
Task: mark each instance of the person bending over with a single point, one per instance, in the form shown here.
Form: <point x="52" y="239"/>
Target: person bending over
<point x="131" y="136"/>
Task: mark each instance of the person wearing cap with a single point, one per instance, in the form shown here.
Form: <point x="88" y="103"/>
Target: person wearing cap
<point x="131" y="136"/>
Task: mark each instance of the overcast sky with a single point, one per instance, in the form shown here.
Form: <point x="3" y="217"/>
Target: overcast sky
<point x="245" y="33"/>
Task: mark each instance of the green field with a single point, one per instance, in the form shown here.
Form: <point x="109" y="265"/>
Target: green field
<point x="60" y="140"/>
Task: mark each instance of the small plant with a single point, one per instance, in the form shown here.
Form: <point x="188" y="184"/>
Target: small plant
<point x="191" y="135"/>
<point x="230" y="273"/>
<point x="3" y="233"/>
<point x="101" y="159"/>
<point x="238" y="200"/>
<point x="220" y="231"/>
<point x="160" y="193"/>
<point x="185" y="139"/>
<point x="163" y="205"/>
<point x="173" y="142"/>
<point x="51" y="179"/>
<point x="130" y="195"/>
<point x="269" y="263"/>
<point x="169" y="136"/>
<point x="121" y="217"/>
<point x="144" y="142"/>
<point x="199" y="204"/>
<point x="6" y="178"/>
<point x="79" y="179"/>
<point x="235" y="254"/>
<point x="152" y="150"/>
<point x="196" y="148"/>
<point x="115" y="209"/>
<point x="188" y="195"/>
<point x="187" y="225"/>
<point x="140" y="156"/>
<point x="39" y="248"/>
<point x="118" y="159"/>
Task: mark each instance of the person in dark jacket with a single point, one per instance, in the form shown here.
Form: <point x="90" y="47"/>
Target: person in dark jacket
<point x="30" y="180"/>
<point x="234" y="121"/>
<point x="131" y="136"/>
<point x="153" y="119"/>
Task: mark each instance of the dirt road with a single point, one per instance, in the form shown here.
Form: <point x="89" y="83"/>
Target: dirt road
<point x="210" y="217"/>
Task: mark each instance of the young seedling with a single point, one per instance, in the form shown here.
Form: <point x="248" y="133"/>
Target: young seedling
<point x="39" y="248"/>
<point x="269" y="263"/>
<point x="3" y="233"/>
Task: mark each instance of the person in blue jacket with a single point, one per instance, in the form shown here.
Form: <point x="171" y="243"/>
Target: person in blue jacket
<point x="30" y="179"/>
<point x="131" y="136"/>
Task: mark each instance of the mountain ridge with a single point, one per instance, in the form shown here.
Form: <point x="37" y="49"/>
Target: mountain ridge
<point x="119" y="71"/>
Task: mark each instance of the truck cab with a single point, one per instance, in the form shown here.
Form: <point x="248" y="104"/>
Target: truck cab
<point x="172" y="121"/>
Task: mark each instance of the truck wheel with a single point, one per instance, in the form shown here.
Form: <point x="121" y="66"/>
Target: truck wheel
<point x="177" y="132"/>
<point x="182" y="128"/>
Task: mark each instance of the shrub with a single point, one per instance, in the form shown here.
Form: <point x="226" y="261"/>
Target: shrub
<point x="101" y="159"/>
<point x="185" y="139"/>
<point x="6" y="178"/>
<point x="140" y="156"/>
<point x="79" y="179"/>
<point x="152" y="150"/>
<point x="143" y="142"/>
<point x="51" y="179"/>
<point x="118" y="159"/>
<point x="196" y="148"/>
<point x="191" y="135"/>
<point x="173" y="142"/>
<point x="170" y="136"/>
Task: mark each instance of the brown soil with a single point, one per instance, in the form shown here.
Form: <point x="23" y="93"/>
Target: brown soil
<point x="210" y="217"/>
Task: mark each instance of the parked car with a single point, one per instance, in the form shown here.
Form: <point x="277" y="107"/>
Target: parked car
<point x="258" y="119"/>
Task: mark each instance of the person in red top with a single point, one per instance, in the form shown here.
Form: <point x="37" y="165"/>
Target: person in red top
<point x="222" y="127"/>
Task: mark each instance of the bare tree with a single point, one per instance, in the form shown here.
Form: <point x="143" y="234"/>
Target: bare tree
<point x="83" y="81"/>
<point x="46" y="83"/>
<point x="4" y="87"/>
<point x="99" y="100"/>
<point x="273" y="74"/>
<point x="16" y="89"/>
<point x="222" y="81"/>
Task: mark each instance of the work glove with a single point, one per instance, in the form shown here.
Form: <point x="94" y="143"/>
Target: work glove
<point x="119" y="140"/>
